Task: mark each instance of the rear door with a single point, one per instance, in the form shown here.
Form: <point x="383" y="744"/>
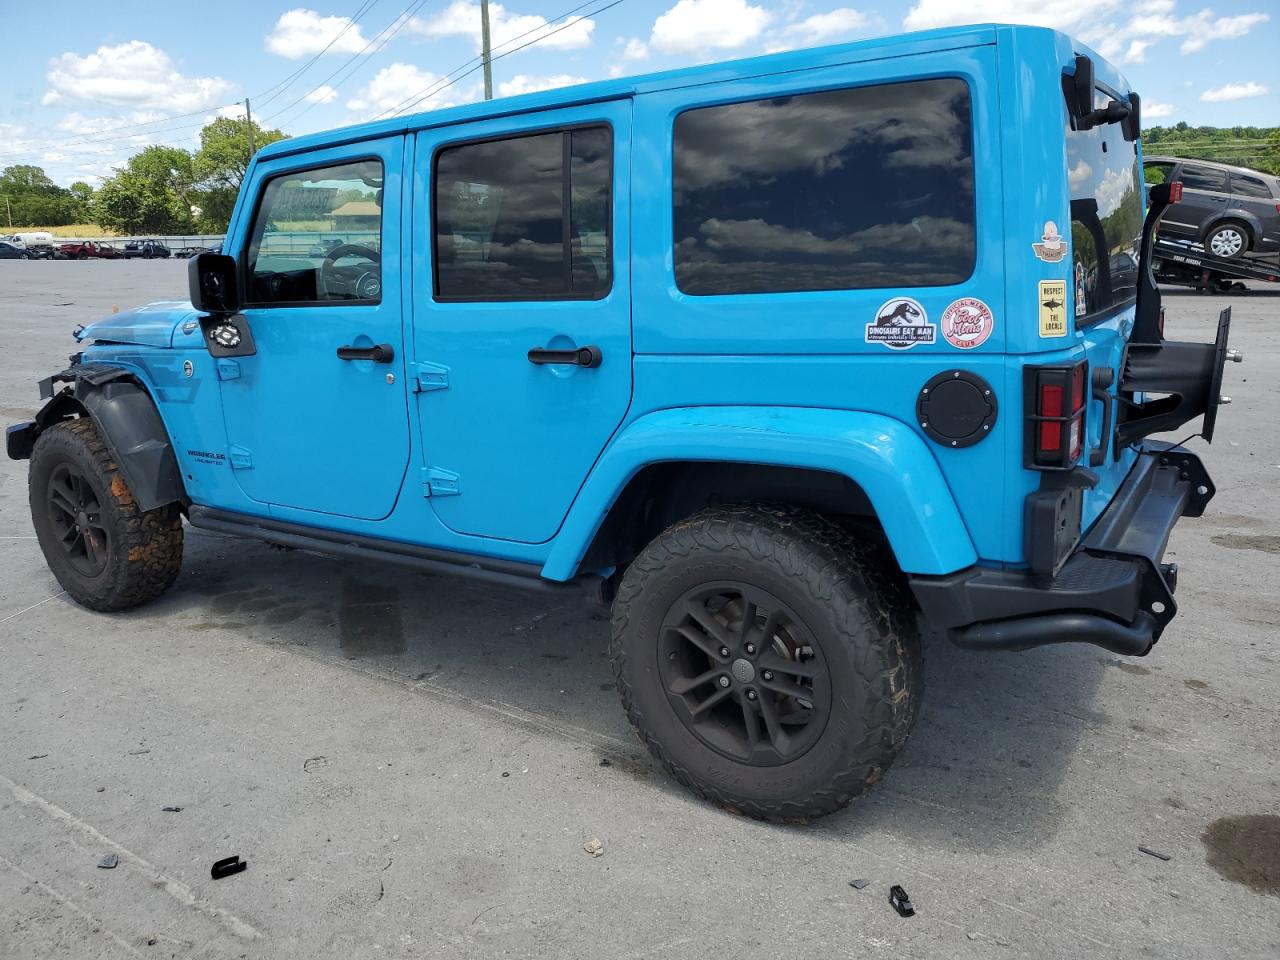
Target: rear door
<point x="521" y="270"/>
<point x="1107" y="208"/>
<point x="1206" y="196"/>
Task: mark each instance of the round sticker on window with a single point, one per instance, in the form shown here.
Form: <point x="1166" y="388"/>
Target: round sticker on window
<point x="967" y="323"/>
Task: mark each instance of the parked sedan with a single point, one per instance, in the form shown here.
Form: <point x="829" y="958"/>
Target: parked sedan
<point x="9" y="252"/>
<point x="146" y="249"/>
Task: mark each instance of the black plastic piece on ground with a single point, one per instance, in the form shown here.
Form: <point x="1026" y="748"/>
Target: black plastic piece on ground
<point x="901" y="902"/>
<point x="226" y="867"/>
<point x="1154" y="853"/>
<point x="108" y="862"/>
<point x="859" y="884"/>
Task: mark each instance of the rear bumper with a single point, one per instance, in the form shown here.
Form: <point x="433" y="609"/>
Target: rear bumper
<point x="1113" y="591"/>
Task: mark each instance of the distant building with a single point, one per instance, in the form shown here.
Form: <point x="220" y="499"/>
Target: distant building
<point x="357" y="215"/>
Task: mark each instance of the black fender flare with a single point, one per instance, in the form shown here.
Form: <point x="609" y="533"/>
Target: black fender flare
<point x="129" y="422"/>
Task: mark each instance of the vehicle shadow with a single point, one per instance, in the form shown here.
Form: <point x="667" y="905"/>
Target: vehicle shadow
<point x="994" y="740"/>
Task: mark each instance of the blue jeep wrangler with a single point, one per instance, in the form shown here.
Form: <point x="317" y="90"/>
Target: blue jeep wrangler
<point x="792" y="356"/>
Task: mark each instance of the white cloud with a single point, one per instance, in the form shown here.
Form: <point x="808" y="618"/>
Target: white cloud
<point x="397" y="86"/>
<point x="692" y="26"/>
<point x="1060" y="14"/>
<point x="1154" y="110"/>
<point x="523" y="84"/>
<point x="462" y="19"/>
<point x="133" y="74"/>
<point x="1097" y="22"/>
<point x="636" y="49"/>
<point x="322" y="94"/>
<point x="1234" y="91"/>
<point x="819" y="28"/>
<point x="303" y="33"/>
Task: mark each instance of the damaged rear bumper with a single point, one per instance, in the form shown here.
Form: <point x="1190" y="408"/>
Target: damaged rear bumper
<point x="1114" y="590"/>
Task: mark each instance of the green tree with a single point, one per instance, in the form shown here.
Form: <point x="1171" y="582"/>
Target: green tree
<point x="31" y="199"/>
<point x="220" y="165"/>
<point x="1256" y="147"/>
<point x="152" y="193"/>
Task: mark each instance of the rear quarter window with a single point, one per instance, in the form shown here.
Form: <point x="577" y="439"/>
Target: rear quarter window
<point x="843" y="189"/>
<point x="1249" y="186"/>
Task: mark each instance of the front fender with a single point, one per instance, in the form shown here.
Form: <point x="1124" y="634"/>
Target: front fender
<point x="887" y="459"/>
<point x="127" y="420"/>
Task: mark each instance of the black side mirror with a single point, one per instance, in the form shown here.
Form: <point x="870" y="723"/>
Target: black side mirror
<point x="1078" y="88"/>
<point x="211" y="278"/>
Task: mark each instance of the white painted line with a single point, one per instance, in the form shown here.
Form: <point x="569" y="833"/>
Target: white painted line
<point x="175" y="888"/>
<point x="14" y="616"/>
<point x="68" y="902"/>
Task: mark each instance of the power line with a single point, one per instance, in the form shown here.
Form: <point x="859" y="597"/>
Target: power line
<point x="397" y="23"/>
<point x="288" y="81"/>
<point x="461" y="72"/>
<point x="114" y="134"/>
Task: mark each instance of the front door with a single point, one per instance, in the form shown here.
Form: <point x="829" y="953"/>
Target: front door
<point x="522" y="313"/>
<point x="317" y="419"/>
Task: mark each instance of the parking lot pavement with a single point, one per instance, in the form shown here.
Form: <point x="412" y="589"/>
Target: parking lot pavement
<point x="411" y="765"/>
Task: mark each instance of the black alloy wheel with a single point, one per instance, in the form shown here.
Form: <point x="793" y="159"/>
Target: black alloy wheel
<point x="75" y="516"/>
<point x="743" y="674"/>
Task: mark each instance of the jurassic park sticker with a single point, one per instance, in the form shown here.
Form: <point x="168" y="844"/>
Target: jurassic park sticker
<point x="900" y="324"/>
<point x="1053" y="308"/>
<point x="1051" y="248"/>
<point x="967" y="323"/>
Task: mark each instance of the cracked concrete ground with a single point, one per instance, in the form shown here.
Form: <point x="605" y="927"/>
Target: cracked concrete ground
<point x="411" y="765"/>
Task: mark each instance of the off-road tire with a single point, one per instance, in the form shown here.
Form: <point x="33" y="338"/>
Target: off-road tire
<point x="852" y="599"/>
<point x="1234" y="227"/>
<point x="143" y="548"/>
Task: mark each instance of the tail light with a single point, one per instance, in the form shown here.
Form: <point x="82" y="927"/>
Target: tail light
<point x="1175" y="192"/>
<point x="1055" y="398"/>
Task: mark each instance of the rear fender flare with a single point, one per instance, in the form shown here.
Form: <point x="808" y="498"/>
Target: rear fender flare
<point x="885" y="457"/>
<point x="130" y="425"/>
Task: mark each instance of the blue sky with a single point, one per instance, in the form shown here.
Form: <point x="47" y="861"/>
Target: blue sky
<point x="87" y="84"/>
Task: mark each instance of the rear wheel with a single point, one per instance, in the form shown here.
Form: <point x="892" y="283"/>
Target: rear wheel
<point x="105" y="552"/>
<point x="1227" y="240"/>
<point x="769" y="660"/>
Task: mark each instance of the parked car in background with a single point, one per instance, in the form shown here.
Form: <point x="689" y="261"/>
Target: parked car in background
<point x="1230" y="210"/>
<point x="324" y="247"/>
<point x="39" y="243"/>
<point x="10" y="251"/>
<point x="147" y="249"/>
<point x="108" y="251"/>
<point x="85" y="250"/>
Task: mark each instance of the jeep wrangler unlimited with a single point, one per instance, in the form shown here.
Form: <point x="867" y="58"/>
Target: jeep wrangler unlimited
<point x="792" y="356"/>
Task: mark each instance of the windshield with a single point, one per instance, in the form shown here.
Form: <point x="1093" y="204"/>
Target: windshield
<point x="1106" y="218"/>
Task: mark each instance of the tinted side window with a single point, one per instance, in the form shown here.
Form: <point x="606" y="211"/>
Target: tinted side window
<point x="1249" y="186"/>
<point x="1153" y="173"/>
<point x="317" y="237"/>
<point x="525" y="218"/>
<point x="846" y="189"/>
<point x="1202" y="178"/>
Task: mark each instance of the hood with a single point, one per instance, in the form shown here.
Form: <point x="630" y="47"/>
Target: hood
<point x="149" y="326"/>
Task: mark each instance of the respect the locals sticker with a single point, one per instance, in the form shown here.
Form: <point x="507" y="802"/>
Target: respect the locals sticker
<point x="1053" y="308"/>
<point x="967" y="323"/>
<point x="900" y="323"/>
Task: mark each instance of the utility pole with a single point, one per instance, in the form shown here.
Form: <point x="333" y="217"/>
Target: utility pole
<point x="248" y="116"/>
<point x="484" y="49"/>
<point x="8" y="210"/>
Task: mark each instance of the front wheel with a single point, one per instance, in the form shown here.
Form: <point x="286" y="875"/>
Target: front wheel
<point x="105" y="552"/>
<point x="1227" y="240"/>
<point x="770" y="660"/>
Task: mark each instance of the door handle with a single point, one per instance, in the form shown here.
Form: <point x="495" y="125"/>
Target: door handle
<point x="580" y="356"/>
<point x="379" y="353"/>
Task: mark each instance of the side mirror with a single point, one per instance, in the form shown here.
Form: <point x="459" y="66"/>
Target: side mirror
<point x="211" y="278"/>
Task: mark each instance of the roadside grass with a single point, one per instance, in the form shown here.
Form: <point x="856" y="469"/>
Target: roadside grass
<point x="78" y="230"/>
